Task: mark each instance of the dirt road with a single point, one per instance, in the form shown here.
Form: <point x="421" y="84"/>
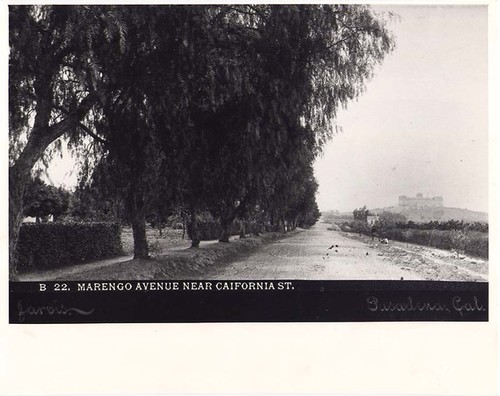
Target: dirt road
<point x="319" y="253"/>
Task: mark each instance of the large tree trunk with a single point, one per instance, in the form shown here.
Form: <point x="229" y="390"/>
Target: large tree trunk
<point x="137" y="211"/>
<point x="17" y="185"/>
<point x="257" y="228"/>
<point x="276" y="221"/>
<point x="243" y="232"/>
<point x="225" y="223"/>
<point x="19" y="176"/>
<point x="282" y="225"/>
<point x="141" y="249"/>
<point x="41" y="136"/>
<point x="225" y="232"/>
<point x="192" y="229"/>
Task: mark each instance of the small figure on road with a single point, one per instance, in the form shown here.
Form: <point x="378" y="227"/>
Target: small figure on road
<point x="374" y="232"/>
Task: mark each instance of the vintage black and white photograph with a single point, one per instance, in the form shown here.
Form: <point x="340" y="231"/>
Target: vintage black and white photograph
<point x="207" y="198"/>
<point x="206" y="156"/>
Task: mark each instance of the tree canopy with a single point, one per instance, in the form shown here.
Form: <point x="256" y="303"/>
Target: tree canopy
<point x="219" y="108"/>
<point x="43" y="200"/>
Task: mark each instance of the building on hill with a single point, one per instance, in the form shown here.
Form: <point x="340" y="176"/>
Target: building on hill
<point x="420" y="202"/>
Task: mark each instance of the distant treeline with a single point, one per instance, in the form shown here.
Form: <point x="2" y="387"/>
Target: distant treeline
<point x="470" y="238"/>
<point x="444" y="225"/>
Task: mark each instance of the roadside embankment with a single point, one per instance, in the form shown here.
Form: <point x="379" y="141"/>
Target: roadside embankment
<point x="170" y="264"/>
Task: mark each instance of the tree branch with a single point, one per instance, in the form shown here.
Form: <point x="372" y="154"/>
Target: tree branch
<point x="87" y="130"/>
<point x="83" y="127"/>
<point x="351" y="36"/>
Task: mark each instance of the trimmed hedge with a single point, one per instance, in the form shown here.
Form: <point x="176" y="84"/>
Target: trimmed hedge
<point x="53" y="245"/>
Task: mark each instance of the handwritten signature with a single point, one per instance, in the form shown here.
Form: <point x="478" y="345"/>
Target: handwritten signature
<point x="410" y="305"/>
<point x="49" y="310"/>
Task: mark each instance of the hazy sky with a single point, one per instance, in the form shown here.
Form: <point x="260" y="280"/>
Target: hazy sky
<point x="422" y="125"/>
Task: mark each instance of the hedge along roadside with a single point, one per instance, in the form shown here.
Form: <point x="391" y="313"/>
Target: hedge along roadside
<point x="474" y="243"/>
<point x="470" y="242"/>
<point x="54" y="245"/>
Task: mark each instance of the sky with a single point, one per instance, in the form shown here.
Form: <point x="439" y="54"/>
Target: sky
<point x="420" y="127"/>
<point x="422" y="124"/>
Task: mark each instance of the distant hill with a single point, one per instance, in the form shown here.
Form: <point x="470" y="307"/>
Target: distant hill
<point x="423" y="215"/>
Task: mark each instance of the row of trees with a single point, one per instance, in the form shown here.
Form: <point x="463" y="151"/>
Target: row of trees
<point x="443" y="225"/>
<point x="42" y="200"/>
<point x="390" y="220"/>
<point x="361" y="214"/>
<point x="211" y="108"/>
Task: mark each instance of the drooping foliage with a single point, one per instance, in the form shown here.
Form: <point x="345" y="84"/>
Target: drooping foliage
<point x="219" y="108"/>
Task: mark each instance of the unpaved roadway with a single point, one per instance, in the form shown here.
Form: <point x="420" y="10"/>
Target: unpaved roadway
<point x="319" y="253"/>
